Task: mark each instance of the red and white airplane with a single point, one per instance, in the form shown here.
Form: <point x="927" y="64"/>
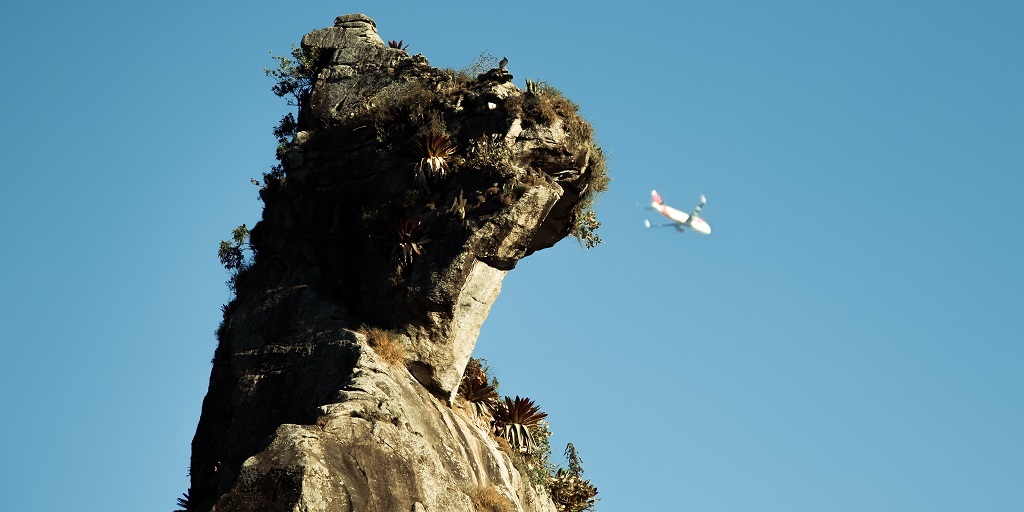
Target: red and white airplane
<point x="680" y="220"/>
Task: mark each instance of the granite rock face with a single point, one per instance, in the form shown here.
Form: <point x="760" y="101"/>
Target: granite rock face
<point x="404" y="196"/>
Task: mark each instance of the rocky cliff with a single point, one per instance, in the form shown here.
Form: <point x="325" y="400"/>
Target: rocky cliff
<point x="403" y="196"/>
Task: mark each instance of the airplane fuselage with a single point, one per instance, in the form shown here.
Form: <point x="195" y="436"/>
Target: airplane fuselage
<point x="685" y="219"/>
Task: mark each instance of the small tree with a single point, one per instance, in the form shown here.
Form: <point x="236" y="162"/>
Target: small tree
<point x="295" y="75"/>
<point x="232" y="254"/>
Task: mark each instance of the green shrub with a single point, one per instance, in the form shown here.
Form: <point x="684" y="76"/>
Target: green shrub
<point x="236" y="254"/>
<point x="568" y="489"/>
<point x="295" y="76"/>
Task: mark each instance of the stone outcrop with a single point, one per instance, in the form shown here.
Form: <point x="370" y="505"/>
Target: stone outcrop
<point x="362" y="229"/>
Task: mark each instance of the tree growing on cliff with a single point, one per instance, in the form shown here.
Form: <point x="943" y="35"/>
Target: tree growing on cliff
<point x="236" y="254"/>
<point x="294" y="76"/>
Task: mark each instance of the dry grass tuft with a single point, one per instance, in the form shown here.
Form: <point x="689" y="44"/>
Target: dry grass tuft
<point x="386" y="344"/>
<point x="488" y="499"/>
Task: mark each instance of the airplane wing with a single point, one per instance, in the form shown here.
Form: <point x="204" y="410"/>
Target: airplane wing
<point x="700" y="206"/>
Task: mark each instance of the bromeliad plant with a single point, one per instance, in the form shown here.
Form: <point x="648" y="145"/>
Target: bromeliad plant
<point x="476" y="389"/>
<point x="438" y="148"/>
<point x="514" y="420"/>
<point x="410" y="237"/>
<point x="397" y="44"/>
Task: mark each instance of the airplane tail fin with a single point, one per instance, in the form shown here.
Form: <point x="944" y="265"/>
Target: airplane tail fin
<point x="655" y="197"/>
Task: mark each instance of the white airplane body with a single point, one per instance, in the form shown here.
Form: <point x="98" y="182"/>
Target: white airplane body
<point x="680" y="220"/>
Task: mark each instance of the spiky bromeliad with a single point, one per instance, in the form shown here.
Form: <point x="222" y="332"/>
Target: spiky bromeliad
<point x="514" y="420"/>
<point x="439" y="148"/>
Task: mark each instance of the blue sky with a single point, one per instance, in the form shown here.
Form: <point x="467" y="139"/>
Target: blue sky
<point x="850" y="338"/>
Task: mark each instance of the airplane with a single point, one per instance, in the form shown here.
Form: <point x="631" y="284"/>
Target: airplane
<point x="680" y="220"/>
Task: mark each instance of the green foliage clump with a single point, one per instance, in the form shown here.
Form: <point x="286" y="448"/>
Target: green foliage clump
<point x="567" y="487"/>
<point x="521" y="431"/>
<point x="491" y="153"/>
<point x="546" y="104"/>
<point x="294" y="76"/>
<point x="236" y="254"/>
<point x="538" y="467"/>
<point x="585" y="229"/>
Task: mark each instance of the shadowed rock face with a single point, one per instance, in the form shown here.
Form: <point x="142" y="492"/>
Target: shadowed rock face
<point x="358" y="231"/>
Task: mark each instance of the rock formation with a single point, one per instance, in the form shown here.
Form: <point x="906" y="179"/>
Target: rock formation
<point x="404" y="195"/>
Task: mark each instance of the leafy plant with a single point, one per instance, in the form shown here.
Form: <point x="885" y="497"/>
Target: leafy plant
<point x="294" y="78"/>
<point x="549" y="104"/>
<point x="295" y="75"/>
<point x="438" y="148"/>
<point x="491" y="152"/>
<point x="232" y="254"/>
<point x="476" y="388"/>
<point x="568" y="489"/>
<point x="410" y="237"/>
<point x="515" y="420"/>
<point x="585" y="229"/>
<point x="398" y="45"/>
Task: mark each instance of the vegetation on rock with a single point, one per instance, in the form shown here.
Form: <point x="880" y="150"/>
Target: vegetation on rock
<point x="410" y="240"/>
<point x="567" y="487"/>
<point x="386" y="344"/>
<point x="488" y="499"/>
<point x="438" y="148"/>
<point x="516" y="420"/>
<point x="477" y="389"/>
<point x="296" y="75"/>
<point x="236" y="254"/>
<point x="411" y="162"/>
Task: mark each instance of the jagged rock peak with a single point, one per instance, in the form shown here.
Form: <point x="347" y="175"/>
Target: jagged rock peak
<point x="404" y="195"/>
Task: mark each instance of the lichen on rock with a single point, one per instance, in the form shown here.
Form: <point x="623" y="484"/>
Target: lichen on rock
<point x="405" y="194"/>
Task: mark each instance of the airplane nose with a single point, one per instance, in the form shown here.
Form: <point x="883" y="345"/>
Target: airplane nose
<point x="701" y="226"/>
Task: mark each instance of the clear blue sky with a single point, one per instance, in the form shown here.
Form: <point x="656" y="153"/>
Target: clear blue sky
<point x="850" y="338"/>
